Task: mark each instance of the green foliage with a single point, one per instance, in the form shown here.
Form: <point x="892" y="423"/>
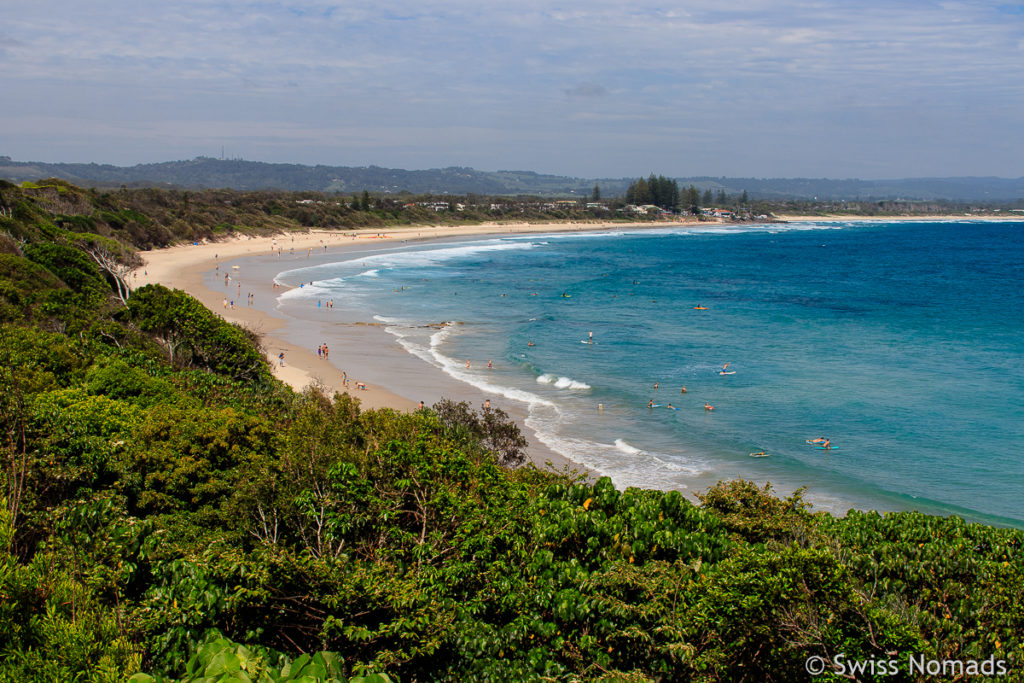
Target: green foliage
<point x="56" y="627"/>
<point x="219" y="660"/>
<point x="117" y="380"/>
<point x="755" y="514"/>
<point x="193" y="335"/>
<point x="491" y="428"/>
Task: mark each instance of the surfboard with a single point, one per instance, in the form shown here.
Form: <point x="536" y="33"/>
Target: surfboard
<point x="722" y="372"/>
<point x="822" y="448"/>
<point x="760" y="454"/>
<point x="588" y="343"/>
<point x="656" y="405"/>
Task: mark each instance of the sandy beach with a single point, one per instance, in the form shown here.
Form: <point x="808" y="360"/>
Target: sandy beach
<point x="379" y="372"/>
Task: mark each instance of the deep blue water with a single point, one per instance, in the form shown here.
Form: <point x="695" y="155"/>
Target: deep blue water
<point x="902" y="342"/>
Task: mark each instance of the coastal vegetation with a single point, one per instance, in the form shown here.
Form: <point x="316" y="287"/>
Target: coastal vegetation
<point x="171" y="512"/>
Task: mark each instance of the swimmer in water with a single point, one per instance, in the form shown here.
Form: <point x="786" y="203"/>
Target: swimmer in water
<point x="671" y="407"/>
<point x="683" y="390"/>
<point x="529" y="343"/>
<point x="708" y="407"/>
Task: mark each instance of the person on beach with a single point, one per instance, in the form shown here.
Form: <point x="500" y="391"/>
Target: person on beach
<point x="280" y="358"/>
<point x="487" y="405"/>
<point x="467" y="363"/>
<point x="489" y="364"/>
<point x="326" y="351"/>
<point x="420" y="406"/>
<point x="320" y="351"/>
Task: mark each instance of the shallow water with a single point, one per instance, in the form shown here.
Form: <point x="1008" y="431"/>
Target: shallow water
<point x="902" y="342"/>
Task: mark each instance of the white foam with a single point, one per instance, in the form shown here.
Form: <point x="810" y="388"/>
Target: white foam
<point x="453" y="368"/>
<point x="626" y="448"/>
<point x="562" y="382"/>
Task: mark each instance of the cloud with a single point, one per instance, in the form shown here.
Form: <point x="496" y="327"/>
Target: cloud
<point x="587" y="90"/>
<point x="713" y="81"/>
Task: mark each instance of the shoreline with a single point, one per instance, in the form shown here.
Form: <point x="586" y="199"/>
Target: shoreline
<point x="392" y="377"/>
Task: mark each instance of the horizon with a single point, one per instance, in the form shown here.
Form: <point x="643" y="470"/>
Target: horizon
<point x="764" y="90"/>
<point x="518" y="170"/>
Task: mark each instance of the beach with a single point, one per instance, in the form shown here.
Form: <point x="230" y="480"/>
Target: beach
<point x="818" y="351"/>
<point x="381" y="373"/>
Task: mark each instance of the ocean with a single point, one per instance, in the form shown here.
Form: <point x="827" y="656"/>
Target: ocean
<point x="901" y="342"/>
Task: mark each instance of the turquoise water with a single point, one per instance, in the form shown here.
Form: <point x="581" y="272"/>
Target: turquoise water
<point x="902" y="342"/>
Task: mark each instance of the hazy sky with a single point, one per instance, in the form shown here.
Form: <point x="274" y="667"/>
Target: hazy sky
<point x="596" y="88"/>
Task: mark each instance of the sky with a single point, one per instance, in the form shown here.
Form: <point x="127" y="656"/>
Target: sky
<point x="869" y="89"/>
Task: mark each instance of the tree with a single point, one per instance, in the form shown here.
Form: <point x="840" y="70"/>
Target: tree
<point x="707" y="199"/>
<point x="112" y="264"/>
<point x="595" y="195"/>
<point x="693" y="200"/>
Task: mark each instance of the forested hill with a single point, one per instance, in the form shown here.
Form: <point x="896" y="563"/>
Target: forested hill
<point x="205" y="172"/>
<point x="171" y="512"/>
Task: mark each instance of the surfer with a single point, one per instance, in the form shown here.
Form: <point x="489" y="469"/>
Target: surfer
<point x="820" y="439"/>
<point x="650" y="404"/>
<point x="590" y="337"/>
<point x="827" y="444"/>
<point x="671" y="407"/>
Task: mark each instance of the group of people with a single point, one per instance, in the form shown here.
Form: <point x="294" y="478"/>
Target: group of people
<point x="650" y="404"/>
<point x="322" y="351"/>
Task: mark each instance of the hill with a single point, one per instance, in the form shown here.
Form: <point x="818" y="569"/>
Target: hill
<point x="206" y="172"/>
